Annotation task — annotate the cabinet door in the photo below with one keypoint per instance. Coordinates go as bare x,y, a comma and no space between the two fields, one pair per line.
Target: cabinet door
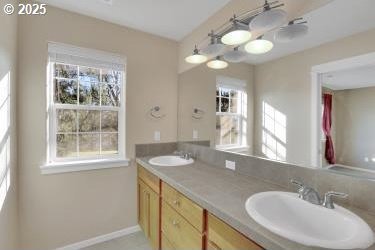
153,199
143,207
222,236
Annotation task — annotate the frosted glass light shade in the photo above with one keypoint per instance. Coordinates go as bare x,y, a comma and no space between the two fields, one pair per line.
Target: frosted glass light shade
196,58
235,56
213,49
268,20
258,46
291,32
236,37
217,63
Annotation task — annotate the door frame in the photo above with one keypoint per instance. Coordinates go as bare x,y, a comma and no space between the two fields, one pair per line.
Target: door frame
316,93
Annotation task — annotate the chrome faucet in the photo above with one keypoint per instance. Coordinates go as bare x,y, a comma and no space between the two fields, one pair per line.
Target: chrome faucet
328,202
183,155
311,195
307,193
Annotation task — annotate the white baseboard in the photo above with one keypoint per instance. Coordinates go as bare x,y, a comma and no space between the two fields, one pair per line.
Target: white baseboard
101,238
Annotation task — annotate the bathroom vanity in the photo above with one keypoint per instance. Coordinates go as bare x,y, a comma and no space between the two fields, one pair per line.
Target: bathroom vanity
171,220
202,206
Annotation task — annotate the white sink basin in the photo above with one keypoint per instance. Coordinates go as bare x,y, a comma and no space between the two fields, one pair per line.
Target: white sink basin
170,160
295,219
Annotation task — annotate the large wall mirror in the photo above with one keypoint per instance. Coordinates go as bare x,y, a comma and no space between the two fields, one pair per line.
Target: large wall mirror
294,103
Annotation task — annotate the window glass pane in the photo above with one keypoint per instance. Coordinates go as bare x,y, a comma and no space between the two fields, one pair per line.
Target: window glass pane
224,125
109,121
217,92
89,93
224,92
111,76
88,120
110,95
217,104
66,145
89,74
66,120
235,130
224,104
89,144
110,143
234,106
66,91
66,71
234,94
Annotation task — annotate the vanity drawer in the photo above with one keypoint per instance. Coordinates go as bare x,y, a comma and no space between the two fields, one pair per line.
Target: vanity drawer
187,208
165,243
180,233
223,236
150,179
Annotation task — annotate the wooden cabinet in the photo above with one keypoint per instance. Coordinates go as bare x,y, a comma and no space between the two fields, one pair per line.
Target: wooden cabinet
171,221
149,211
222,236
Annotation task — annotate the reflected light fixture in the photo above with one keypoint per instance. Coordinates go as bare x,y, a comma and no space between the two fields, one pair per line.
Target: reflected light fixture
217,63
215,47
196,57
238,34
291,31
235,55
259,46
269,19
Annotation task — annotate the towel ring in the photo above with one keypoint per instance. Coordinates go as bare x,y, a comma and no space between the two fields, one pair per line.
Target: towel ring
197,113
155,112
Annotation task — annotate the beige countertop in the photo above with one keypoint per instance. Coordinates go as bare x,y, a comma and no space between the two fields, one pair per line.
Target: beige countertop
224,192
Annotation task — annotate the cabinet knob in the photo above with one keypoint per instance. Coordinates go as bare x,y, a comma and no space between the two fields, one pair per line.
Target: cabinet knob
175,223
176,202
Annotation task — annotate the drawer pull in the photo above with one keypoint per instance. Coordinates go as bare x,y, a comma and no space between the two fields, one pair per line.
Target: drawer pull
176,202
175,223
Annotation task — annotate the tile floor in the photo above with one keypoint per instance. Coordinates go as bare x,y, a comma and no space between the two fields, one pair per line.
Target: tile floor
135,241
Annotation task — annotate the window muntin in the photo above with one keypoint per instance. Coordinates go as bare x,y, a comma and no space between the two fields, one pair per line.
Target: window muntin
86,108
229,117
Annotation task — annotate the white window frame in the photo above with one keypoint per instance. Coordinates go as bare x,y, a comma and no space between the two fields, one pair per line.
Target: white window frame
69,164
240,86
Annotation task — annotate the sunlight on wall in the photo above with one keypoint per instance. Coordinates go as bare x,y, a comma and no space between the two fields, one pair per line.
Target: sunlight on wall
273,133
4,137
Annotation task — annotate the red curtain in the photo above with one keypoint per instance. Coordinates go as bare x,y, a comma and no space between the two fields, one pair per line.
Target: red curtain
327,124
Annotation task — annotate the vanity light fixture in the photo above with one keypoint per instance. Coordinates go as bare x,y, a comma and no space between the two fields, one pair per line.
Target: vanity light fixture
259,46
238,34
235,55
292,31
269,19
217,63
196,57
215,47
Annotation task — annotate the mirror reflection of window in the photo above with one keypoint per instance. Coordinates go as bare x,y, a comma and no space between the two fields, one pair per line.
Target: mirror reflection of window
231,110
273,133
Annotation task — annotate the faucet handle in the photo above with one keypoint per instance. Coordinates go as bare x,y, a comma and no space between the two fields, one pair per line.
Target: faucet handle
328,202
300,185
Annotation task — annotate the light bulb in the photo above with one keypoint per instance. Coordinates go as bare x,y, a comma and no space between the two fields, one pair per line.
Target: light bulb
258,46
196,58
217,63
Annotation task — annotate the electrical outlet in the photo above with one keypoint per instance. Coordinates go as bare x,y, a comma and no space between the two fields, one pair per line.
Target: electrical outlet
157,136
230,165
195,134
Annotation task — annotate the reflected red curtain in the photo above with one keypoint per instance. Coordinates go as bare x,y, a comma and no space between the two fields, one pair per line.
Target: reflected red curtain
327,124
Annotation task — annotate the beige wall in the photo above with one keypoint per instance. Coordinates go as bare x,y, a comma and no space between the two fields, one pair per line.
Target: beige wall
355,122
197,89
56,210
286,84
8,159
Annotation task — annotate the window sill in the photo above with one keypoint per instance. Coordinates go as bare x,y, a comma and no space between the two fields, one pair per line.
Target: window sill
65,167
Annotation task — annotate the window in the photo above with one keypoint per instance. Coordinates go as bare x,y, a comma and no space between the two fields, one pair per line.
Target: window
231,109
86,105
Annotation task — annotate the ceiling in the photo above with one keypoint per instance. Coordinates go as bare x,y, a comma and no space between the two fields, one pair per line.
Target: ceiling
350,79
337,19
173,19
